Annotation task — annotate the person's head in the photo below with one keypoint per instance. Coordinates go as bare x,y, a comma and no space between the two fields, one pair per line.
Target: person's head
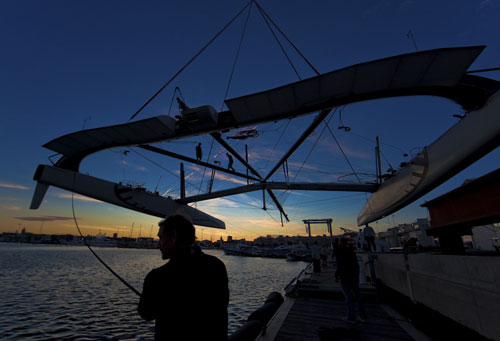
199,143
343,242
176,233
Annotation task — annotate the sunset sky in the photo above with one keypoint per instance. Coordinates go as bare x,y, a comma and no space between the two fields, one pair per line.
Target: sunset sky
68,65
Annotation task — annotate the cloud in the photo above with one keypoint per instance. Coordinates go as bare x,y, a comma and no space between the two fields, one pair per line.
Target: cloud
215,203
76,197
360,154
14,186
102,228
44,218
11,207
304,166
139,168
293,192
220,176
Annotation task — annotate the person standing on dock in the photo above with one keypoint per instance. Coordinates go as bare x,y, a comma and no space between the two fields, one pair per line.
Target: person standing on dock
348,274
316,257
360,240
199,152
188,296
369,234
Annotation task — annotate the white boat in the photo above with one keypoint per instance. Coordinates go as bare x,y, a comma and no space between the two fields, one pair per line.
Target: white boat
439,72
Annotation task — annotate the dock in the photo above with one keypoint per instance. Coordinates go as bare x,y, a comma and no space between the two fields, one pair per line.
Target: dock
314,309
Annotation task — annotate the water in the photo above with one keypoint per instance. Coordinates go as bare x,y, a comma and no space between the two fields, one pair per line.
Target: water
62,292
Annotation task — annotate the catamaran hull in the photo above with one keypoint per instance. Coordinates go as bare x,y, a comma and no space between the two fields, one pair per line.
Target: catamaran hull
131,198
474,136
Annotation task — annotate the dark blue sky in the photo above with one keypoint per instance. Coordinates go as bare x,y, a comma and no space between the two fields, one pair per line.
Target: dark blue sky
68,64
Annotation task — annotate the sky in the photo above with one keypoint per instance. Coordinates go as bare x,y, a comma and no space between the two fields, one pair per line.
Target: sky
69,65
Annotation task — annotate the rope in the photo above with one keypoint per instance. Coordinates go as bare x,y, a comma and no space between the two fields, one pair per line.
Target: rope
177,89
310,152
160,166
342,150
190,61
307,158
279,43
205,168
95,254
276,144
284,35
237,55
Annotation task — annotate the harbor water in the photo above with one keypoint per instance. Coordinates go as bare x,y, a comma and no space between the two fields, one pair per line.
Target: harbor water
63,292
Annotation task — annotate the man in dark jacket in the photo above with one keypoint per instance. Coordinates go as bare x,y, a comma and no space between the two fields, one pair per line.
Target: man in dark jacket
348,273
188,296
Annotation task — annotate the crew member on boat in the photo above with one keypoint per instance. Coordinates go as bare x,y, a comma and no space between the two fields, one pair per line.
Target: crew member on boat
188,296
199,152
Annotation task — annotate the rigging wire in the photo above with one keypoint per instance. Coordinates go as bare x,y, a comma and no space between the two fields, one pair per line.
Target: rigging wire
190,183
160,166
205,168
330,199
342,150
314,146
237,55
191,60
347,159
177,89
307,157
269,214
382,143
289,41
279,43
277,142
93,252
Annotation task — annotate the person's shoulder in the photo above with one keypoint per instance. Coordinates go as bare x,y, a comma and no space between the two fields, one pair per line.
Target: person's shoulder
158,271
210,259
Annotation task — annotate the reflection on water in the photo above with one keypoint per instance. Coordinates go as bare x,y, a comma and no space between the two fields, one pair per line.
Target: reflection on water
55,292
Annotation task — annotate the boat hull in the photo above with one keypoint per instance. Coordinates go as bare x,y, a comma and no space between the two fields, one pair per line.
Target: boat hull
477,134
134,199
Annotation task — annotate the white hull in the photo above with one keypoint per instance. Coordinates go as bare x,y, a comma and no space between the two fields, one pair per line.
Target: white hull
116,194
474,136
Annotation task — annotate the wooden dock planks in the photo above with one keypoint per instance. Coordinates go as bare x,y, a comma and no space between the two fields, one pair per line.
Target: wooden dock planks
317,314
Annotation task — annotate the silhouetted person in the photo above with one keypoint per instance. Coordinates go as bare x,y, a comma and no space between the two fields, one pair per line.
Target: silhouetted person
230,162
316,257
199,152
360,240
369,238
188,296
348,273
324,255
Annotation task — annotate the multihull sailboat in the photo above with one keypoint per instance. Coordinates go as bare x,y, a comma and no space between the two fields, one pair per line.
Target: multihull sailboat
439,72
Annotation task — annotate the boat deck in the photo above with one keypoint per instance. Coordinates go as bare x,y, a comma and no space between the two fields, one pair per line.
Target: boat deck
316,309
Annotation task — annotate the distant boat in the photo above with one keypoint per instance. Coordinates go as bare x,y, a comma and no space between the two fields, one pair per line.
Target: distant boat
102,241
